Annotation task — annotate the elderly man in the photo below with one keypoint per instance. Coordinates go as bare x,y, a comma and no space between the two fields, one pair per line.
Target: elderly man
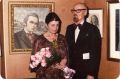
84,42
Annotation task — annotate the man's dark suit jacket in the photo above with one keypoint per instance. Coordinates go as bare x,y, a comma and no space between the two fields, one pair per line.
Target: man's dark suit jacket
21,41
88,41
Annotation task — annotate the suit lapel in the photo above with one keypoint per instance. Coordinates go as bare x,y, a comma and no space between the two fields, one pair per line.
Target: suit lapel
25,39
82,33
73,33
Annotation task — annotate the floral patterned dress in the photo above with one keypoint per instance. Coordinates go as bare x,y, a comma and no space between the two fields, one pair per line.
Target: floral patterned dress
58,46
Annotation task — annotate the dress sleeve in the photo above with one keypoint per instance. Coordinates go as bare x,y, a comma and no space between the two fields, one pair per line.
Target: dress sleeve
37,45
35,48
64,48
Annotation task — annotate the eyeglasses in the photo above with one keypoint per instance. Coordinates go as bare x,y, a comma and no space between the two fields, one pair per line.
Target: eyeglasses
77,10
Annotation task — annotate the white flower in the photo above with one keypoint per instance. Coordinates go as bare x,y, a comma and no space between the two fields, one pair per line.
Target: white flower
37,55
43,63
42,53
68,73
42,50
33,58
48,53
31,66
37,62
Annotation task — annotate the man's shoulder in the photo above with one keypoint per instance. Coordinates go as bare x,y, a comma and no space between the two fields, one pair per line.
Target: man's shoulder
70,26
19,33
87,24
91,26
40,37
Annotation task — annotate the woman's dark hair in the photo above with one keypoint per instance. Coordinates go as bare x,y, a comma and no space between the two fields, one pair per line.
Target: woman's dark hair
52,16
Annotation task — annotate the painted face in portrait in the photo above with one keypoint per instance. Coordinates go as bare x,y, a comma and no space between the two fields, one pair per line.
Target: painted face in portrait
94,20
53,27
79,12
32,23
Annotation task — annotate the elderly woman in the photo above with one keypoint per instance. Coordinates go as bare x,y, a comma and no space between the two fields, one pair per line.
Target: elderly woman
57,44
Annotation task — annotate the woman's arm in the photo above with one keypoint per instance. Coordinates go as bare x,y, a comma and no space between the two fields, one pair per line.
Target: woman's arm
62,64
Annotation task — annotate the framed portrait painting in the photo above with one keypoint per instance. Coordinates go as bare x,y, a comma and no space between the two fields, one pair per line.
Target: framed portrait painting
19,14
96,18
114,30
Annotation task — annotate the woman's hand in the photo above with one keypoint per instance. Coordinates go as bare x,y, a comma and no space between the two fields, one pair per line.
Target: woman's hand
62,64
58,66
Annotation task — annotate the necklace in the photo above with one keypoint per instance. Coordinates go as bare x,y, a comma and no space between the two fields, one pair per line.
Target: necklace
55,44
52,38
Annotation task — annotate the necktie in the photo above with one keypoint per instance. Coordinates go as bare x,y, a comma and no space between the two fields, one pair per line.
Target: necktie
30,36
77,30
77,25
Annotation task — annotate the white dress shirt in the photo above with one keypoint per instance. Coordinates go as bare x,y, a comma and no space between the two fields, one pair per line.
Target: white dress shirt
77,31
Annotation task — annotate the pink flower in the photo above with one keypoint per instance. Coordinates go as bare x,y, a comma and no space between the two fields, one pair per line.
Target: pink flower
37,62
38,57
33,65
33,58
42,50
43,63
68,73
42,53
48,53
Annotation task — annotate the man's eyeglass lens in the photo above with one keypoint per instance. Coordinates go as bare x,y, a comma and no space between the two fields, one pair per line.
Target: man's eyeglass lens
78,10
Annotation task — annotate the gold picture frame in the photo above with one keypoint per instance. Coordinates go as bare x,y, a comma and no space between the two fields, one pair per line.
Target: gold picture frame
17,10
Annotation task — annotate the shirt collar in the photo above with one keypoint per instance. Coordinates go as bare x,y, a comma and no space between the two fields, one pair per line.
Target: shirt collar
26,31
81,22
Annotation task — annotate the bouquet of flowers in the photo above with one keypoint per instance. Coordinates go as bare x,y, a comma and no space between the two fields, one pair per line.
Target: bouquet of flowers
46,58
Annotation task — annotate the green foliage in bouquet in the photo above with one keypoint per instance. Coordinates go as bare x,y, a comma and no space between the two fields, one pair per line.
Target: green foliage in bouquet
55,58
